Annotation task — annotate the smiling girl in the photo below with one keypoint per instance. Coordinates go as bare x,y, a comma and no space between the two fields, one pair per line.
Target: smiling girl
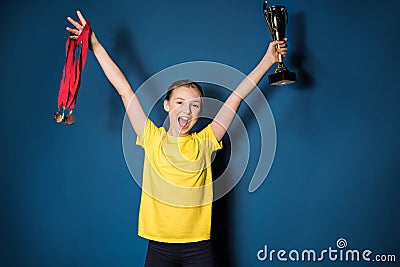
175,207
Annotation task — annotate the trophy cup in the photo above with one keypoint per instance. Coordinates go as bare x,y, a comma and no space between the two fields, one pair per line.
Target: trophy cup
277,18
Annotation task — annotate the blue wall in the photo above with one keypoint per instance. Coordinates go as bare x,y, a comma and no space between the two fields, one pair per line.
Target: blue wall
67,197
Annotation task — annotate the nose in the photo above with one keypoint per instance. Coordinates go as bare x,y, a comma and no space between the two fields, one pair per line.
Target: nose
187,108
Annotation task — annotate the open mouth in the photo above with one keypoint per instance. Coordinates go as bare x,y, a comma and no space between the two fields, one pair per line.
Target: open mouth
184,122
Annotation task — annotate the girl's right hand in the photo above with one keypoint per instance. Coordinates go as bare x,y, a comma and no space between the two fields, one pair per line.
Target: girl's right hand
78,27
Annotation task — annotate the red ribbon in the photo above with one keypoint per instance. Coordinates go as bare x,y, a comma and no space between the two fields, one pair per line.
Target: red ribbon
76,50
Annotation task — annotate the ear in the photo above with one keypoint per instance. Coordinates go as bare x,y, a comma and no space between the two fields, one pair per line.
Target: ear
166,105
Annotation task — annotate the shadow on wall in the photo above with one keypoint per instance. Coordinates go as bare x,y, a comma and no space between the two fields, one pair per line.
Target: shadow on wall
300,55
127,58
222,212
299,58
300,61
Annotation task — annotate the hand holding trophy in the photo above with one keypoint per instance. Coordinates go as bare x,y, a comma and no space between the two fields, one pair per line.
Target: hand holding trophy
277,19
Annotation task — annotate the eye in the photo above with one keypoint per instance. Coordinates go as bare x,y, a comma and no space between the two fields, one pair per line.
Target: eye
179,102
196,106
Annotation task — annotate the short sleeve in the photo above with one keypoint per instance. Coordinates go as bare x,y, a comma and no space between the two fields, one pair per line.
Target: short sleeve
207,135
150,130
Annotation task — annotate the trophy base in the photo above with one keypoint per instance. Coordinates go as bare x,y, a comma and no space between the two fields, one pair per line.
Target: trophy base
282,78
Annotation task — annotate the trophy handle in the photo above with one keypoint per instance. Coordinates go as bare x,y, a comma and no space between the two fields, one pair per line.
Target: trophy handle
287,16
265,9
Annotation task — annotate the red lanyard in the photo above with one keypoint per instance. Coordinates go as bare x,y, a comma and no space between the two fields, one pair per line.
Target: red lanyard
76,52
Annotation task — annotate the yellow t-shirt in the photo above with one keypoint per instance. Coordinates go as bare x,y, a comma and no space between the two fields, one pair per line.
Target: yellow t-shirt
177,191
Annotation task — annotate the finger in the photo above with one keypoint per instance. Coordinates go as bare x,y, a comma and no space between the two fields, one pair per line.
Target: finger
283,45
81,18
73,31
76,24
276,42
274,45
282,52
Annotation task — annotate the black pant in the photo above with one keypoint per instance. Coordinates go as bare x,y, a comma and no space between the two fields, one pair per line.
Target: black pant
193,254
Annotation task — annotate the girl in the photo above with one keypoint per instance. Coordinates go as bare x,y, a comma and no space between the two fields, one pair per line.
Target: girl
175,207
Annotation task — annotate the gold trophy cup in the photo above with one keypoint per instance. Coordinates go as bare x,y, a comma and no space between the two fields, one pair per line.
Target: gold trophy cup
277,19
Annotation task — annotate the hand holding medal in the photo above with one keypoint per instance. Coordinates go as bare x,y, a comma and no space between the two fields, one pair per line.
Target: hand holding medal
76,52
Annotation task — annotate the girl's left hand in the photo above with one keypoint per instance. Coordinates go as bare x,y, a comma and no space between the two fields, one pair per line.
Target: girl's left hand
276,48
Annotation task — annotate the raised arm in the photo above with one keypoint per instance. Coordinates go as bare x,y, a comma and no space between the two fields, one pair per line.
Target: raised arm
132,105
226,114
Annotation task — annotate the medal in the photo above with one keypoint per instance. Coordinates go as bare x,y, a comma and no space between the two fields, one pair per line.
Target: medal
76,52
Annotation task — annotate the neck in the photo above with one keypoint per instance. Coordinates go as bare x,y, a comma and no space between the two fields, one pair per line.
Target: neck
173,132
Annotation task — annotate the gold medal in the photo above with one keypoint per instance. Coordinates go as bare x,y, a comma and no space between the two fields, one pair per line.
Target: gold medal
58,116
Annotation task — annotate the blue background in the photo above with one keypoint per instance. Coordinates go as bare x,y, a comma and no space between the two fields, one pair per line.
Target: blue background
67,197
